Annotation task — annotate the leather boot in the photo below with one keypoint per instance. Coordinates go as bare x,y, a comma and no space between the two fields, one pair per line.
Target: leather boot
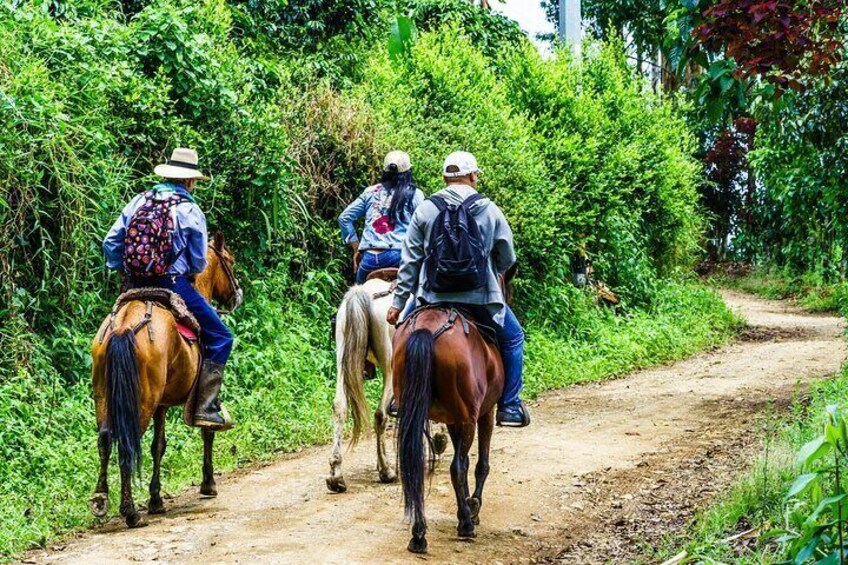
209,413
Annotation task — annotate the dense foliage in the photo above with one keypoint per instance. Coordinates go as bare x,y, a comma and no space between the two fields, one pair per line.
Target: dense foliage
291,111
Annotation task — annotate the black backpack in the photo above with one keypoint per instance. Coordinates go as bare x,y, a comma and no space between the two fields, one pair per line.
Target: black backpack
456,260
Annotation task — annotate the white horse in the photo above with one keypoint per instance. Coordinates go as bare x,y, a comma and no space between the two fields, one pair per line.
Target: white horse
363,333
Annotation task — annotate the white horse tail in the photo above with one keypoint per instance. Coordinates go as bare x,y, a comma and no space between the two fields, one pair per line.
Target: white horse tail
353,330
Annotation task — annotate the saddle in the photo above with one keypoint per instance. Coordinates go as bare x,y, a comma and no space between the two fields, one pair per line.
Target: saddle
186,323
456,312
389,275
187,326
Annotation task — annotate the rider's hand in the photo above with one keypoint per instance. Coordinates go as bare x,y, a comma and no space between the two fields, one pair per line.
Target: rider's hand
393,315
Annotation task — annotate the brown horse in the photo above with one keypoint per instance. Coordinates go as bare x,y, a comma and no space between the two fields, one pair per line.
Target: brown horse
141,367
446,372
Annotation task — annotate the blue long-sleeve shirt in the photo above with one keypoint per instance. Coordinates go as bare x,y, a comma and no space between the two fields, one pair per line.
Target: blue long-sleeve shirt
379,233
189,238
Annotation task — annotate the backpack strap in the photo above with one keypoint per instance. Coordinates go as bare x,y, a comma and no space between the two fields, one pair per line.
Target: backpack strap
468,202
439,202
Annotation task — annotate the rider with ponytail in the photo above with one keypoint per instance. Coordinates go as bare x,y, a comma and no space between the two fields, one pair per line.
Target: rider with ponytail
387,208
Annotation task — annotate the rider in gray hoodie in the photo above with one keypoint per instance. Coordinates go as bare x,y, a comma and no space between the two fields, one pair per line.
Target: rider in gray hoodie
487,303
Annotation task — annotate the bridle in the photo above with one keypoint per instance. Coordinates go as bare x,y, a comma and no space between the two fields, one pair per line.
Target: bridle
238,295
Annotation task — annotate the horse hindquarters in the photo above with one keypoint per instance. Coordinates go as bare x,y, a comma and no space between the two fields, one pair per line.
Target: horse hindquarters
413,427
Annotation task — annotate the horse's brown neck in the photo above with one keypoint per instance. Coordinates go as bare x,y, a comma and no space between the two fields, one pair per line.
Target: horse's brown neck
203,281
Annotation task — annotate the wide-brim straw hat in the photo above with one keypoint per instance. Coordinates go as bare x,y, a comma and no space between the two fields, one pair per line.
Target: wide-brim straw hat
182,165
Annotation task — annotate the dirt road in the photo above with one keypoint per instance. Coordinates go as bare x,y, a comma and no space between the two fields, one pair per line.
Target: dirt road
603,468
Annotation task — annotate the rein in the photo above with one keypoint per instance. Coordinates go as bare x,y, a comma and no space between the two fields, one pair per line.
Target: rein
238,295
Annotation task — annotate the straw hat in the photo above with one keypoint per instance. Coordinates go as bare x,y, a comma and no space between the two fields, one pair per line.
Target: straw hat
182,165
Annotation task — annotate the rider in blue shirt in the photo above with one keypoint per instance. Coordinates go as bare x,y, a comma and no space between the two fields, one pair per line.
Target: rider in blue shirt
190,243
387,208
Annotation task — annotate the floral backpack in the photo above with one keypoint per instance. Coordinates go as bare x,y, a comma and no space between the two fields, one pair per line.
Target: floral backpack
149,242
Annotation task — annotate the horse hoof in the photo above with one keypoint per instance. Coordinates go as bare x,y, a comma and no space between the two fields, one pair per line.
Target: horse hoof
155,507
336,484
135,520
99,504
474,506
440,443
466,531
388,477
208,491
417,545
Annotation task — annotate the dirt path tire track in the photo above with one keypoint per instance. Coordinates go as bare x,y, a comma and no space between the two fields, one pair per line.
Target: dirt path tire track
567,489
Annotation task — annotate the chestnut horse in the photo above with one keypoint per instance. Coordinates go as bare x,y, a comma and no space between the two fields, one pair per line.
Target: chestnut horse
141,367
446,372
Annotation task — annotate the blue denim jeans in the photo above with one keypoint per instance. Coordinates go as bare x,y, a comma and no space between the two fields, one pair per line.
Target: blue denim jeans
216,338
390,258
511,343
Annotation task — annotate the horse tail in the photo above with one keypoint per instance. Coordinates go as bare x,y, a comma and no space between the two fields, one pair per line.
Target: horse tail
414,421
355,332
122,391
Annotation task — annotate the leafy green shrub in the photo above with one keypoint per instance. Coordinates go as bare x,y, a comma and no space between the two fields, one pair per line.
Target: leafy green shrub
494,34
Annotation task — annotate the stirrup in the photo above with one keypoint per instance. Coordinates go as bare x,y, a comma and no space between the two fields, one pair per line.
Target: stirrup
225,424
525,417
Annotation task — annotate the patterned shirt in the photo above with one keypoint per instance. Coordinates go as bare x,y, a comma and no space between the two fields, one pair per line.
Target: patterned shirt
189,238
379,233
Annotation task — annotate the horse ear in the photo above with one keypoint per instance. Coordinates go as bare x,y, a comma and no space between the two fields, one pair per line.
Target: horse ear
219,240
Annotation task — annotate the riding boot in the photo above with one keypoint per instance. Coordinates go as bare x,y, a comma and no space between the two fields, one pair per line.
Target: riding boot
209,413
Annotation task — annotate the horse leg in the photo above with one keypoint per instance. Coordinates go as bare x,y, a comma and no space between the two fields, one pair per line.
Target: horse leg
462,436
128,510
386,470
207,487
440,441
485,428
99,502
157,449
336,482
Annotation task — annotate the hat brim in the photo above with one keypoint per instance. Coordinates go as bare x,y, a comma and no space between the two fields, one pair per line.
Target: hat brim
388,169
175,172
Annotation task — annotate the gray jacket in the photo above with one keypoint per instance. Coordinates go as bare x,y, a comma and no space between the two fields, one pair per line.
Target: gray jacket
497,240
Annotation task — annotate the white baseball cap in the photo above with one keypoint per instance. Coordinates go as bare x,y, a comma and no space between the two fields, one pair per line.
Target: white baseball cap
397,161
460,164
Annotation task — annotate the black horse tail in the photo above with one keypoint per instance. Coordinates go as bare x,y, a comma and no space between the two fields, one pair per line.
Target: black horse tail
122,399
414,422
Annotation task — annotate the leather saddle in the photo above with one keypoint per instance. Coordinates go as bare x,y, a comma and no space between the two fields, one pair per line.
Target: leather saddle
187,325
456,312
388,275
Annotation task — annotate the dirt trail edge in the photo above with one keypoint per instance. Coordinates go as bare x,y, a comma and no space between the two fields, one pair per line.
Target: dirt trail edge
603,468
